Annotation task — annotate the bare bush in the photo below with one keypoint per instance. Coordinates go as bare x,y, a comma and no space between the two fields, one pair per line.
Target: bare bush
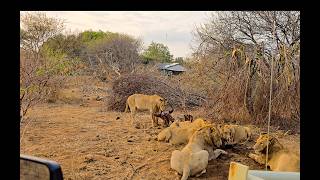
241,46
36,76
35,29
129,84
114,55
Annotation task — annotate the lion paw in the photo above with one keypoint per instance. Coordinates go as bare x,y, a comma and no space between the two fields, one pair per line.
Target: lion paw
202,172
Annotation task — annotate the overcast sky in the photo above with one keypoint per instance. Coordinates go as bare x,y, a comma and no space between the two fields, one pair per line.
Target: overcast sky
172,28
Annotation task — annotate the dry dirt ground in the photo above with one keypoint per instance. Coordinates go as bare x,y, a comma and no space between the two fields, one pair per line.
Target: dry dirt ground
91,143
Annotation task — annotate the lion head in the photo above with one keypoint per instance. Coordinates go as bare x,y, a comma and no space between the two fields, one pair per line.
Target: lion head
210,135
161,103
261,143
228,133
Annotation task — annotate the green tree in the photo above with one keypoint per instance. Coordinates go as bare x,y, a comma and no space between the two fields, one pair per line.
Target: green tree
68,44
90,35
179,60
157,52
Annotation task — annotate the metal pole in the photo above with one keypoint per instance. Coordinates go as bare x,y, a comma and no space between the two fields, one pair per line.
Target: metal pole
270,98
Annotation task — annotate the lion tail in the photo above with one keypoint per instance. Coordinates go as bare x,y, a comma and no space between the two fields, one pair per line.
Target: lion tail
249,133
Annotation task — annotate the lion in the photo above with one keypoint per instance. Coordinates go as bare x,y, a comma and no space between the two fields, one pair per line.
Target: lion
235,134
279,157
152,103
180,132
193,159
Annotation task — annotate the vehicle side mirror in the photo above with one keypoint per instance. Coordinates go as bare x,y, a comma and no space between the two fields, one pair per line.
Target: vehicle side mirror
33,168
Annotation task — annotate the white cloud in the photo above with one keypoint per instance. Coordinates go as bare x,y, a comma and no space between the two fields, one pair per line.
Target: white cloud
149,25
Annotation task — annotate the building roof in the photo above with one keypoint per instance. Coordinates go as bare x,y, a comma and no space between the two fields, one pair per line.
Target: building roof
171,67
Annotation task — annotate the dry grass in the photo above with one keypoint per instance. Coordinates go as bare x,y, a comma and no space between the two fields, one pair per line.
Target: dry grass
91,143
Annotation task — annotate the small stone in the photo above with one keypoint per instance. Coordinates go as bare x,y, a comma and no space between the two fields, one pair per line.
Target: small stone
89,158
137,126
98,98
109,150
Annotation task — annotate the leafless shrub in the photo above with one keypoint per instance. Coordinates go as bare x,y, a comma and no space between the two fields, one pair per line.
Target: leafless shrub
36,78
35,29
241,47
129,84
113,56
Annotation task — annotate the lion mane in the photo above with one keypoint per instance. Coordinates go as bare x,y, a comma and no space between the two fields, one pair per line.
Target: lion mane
279,157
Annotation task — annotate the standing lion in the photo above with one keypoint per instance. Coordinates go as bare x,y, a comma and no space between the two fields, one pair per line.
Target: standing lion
152,103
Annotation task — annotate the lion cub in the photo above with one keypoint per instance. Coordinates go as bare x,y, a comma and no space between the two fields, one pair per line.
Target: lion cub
235,134
279,158
180,132
193,158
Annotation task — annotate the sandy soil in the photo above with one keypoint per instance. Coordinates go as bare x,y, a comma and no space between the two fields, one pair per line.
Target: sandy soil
91,143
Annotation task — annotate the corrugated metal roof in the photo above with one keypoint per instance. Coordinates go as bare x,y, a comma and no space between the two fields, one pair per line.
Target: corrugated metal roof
176,68
162,65
171,67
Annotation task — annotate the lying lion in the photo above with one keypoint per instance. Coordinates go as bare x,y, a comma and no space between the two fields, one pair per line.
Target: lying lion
152,103
235,134
193,158
279,158
180,132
